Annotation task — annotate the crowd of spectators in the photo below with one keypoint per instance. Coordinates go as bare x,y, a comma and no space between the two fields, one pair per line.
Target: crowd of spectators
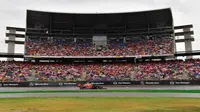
65,47
173,70
158,70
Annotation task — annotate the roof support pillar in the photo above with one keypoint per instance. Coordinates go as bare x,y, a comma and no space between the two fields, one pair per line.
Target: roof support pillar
188,43
124,39
11,45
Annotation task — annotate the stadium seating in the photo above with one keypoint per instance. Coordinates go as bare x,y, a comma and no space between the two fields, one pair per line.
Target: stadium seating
63,47
158,70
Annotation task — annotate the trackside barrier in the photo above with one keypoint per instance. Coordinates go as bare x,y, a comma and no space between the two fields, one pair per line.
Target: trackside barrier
66,84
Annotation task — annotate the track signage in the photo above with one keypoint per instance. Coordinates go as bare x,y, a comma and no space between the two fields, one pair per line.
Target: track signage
65,84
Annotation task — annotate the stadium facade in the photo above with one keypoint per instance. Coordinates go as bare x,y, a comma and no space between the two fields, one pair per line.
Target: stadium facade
101,39
74,26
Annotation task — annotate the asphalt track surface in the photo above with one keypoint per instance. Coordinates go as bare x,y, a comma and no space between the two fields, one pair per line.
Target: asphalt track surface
123,94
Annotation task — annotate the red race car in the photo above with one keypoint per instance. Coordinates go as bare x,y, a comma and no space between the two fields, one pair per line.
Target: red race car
90,86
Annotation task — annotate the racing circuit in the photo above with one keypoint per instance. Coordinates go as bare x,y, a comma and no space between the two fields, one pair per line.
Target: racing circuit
73,62
100,94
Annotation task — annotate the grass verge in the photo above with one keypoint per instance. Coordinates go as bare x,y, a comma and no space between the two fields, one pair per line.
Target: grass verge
81,104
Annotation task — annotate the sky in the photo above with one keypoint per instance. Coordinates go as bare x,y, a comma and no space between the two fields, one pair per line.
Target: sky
13,12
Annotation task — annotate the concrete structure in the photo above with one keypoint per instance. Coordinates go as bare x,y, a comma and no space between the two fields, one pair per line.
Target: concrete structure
11,40
188,43
11,45
186,32
188,39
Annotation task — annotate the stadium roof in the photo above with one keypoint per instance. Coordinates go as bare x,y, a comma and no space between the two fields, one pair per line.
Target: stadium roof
125,22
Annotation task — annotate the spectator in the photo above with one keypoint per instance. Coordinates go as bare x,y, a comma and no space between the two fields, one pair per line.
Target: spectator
134,47
158,70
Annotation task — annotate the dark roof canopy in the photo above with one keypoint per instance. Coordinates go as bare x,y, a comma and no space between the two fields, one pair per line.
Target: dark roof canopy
101,21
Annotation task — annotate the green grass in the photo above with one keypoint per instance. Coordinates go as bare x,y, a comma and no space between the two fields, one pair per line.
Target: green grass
81,104
80,91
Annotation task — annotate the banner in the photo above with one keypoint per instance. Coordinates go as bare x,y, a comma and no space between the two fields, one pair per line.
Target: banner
15,84
66,84
51,84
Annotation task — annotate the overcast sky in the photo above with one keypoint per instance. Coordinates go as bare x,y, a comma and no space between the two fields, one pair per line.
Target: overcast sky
13,12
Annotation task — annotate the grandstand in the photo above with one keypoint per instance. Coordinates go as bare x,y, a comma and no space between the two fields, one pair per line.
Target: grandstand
105,48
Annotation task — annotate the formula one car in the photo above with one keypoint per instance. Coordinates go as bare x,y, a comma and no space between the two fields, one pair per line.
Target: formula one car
90,86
